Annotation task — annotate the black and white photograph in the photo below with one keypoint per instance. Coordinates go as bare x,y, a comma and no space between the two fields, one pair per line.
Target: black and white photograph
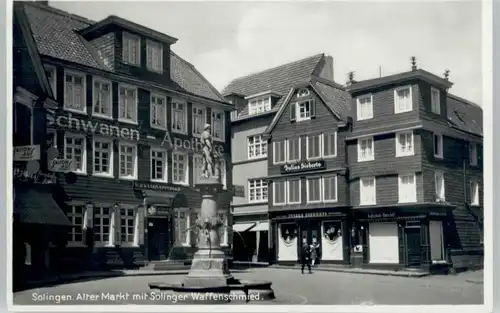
233,154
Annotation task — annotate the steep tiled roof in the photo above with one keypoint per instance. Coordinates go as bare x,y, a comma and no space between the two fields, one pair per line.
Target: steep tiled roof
465,115
277,79
335,96
55,33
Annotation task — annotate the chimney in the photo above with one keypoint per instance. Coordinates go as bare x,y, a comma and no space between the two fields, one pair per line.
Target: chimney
446,74
327,70
350,79
413,63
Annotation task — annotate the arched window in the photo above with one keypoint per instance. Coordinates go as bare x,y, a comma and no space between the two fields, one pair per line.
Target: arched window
303,92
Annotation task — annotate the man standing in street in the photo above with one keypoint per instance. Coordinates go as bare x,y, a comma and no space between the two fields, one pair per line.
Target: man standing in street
305,256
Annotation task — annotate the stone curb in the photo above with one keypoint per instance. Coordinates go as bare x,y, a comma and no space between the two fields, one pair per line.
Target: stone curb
398,274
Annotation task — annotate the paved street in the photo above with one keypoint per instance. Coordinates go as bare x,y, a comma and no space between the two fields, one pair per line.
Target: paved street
290,287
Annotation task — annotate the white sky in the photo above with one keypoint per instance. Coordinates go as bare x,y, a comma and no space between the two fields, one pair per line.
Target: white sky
225,40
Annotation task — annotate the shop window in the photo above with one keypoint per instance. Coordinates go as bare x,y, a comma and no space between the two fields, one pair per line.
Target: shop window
102,223
75,215
127,226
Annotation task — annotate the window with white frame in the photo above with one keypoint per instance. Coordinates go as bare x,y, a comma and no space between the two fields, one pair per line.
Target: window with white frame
404,143
74,91
257,190
154,60
103,157
75,215
365,107
101,105
259,105
279,192
366,151
158,165
437,145
293,191
313,189
179,116
367,191
313,147
75,148
402,100
439,184
435,101
127,98
407,188
180,168
131,49
304,110
303,92
474,192
198,167
330,188
158,111
279,152
199,120
293,147
51,73
257,147
218,125
127,225
128,160
102,225
472,154
330,144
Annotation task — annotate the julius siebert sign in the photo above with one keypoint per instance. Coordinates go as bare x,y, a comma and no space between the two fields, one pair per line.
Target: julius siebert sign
303,167
99,127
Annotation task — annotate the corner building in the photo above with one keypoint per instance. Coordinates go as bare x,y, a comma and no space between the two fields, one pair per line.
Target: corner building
415,174
129,116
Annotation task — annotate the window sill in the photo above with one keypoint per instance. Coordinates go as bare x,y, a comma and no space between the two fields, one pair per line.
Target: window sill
155,71
319,201
105,117
129,245
103,175
475,204
158,181
331,201
225,245
364,118
157,127
218,139
330,156
367,204
127,178
366,160
438,156
81,173
303,119
403,111
279,163
279,204
131,122
294,203
186,245
130,63
401,155
84,112
75,245
258,202
181,183
407,201
259,158
313,158
179,132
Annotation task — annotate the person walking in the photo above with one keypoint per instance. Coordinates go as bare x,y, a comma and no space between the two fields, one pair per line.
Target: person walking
314,251
305,256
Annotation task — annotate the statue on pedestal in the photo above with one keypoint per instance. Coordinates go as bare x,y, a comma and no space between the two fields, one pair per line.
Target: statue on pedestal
210,169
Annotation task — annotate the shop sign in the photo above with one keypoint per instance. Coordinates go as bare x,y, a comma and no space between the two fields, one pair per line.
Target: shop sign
437,214
94,127
303,167
382,215
193,144
61,165
141,185
306,215
27,153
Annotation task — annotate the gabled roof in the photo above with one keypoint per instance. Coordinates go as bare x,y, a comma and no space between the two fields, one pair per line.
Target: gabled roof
465,115
333,95
400,77
56,34
277,79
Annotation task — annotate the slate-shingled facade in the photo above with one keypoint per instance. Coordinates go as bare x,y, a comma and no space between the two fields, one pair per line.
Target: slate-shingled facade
130,114
397,182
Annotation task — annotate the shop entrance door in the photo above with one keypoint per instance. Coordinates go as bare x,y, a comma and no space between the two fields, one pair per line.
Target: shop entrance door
159,238
413,246
308,231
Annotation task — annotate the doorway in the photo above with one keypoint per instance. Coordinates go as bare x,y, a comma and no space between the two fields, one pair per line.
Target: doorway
159,238
413,246
309,230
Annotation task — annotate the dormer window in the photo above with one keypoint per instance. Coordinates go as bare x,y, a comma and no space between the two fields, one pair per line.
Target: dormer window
435,101
304,92
259,105
302,110
402,100
154,53
131,49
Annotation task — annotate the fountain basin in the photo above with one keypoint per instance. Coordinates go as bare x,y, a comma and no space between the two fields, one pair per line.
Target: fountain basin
236,292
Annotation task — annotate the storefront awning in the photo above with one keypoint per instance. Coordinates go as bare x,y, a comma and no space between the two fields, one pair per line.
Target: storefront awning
261,226
242,227
32,206
160,198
